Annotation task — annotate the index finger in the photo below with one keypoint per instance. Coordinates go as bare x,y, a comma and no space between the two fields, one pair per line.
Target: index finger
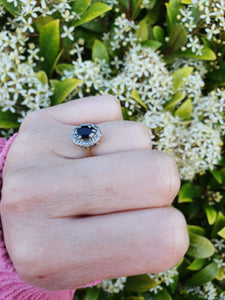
95,109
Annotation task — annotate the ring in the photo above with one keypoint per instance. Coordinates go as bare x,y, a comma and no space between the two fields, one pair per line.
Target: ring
86,136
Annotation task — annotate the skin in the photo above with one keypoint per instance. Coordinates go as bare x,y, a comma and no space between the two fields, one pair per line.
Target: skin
69,219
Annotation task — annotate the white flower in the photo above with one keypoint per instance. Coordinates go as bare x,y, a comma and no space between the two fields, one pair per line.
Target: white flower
113,285
194,43
212,31
26,24
207,15
68,32
187,15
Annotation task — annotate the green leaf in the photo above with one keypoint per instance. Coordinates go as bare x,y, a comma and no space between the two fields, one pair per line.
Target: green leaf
57,59
173,9
140,283
158,33
80,6
162,295
63,89
15,11
185,110
95,26
42,21
94,11
152,16
207,54
92,293
200,247
60,68
99,51
124,3
211,214
178,97
221,161
196,230
173,285
219,175
217,76
136,97
42,77
218,225
136,8
205,275
177,38
220,275
49,45
186,2
197,264
155,45
143,31
188,191
54,83
127,116
8,120
179,75
222,233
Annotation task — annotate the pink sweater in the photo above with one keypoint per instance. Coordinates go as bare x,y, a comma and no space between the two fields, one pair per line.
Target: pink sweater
11,286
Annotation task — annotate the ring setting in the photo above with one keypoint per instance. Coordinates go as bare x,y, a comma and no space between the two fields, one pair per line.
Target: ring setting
86,135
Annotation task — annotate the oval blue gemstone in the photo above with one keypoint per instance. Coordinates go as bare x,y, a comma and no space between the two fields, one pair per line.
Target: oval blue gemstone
84,132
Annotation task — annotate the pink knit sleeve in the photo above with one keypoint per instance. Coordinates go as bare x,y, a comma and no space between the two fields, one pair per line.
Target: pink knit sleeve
11,286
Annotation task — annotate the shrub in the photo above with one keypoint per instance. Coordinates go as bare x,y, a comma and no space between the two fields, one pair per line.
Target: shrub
164,60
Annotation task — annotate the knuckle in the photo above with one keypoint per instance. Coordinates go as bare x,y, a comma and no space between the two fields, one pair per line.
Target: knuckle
115,105
174,179
179,241
168,176
172,247
143,133
16,193
29,118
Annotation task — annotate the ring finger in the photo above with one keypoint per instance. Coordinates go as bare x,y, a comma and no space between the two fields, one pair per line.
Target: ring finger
117,136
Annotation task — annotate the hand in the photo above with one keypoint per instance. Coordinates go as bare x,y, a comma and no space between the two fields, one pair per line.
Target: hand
69,219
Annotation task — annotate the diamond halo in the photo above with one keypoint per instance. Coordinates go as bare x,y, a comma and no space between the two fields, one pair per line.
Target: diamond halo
86,135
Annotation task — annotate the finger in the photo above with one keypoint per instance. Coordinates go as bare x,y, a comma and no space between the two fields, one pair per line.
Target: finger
105,184
111,246
87,110
116,136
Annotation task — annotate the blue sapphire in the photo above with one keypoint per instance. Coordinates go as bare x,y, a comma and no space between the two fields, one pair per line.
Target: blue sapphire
85,131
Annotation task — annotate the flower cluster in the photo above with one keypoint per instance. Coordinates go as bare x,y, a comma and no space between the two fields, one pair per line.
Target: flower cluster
195,147
173,85
210,109
113,285
207,291
142,70
214,197
123,35
206,18
163,278
19,83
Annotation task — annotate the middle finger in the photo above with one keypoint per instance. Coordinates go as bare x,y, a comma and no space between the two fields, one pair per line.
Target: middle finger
105,184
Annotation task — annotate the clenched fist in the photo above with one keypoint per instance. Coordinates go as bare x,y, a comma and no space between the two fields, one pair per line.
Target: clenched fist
69,219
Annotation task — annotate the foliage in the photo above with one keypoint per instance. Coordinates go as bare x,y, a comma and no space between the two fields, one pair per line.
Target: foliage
164,60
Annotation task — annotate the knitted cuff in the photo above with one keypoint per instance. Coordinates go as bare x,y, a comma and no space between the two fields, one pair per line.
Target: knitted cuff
11,286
